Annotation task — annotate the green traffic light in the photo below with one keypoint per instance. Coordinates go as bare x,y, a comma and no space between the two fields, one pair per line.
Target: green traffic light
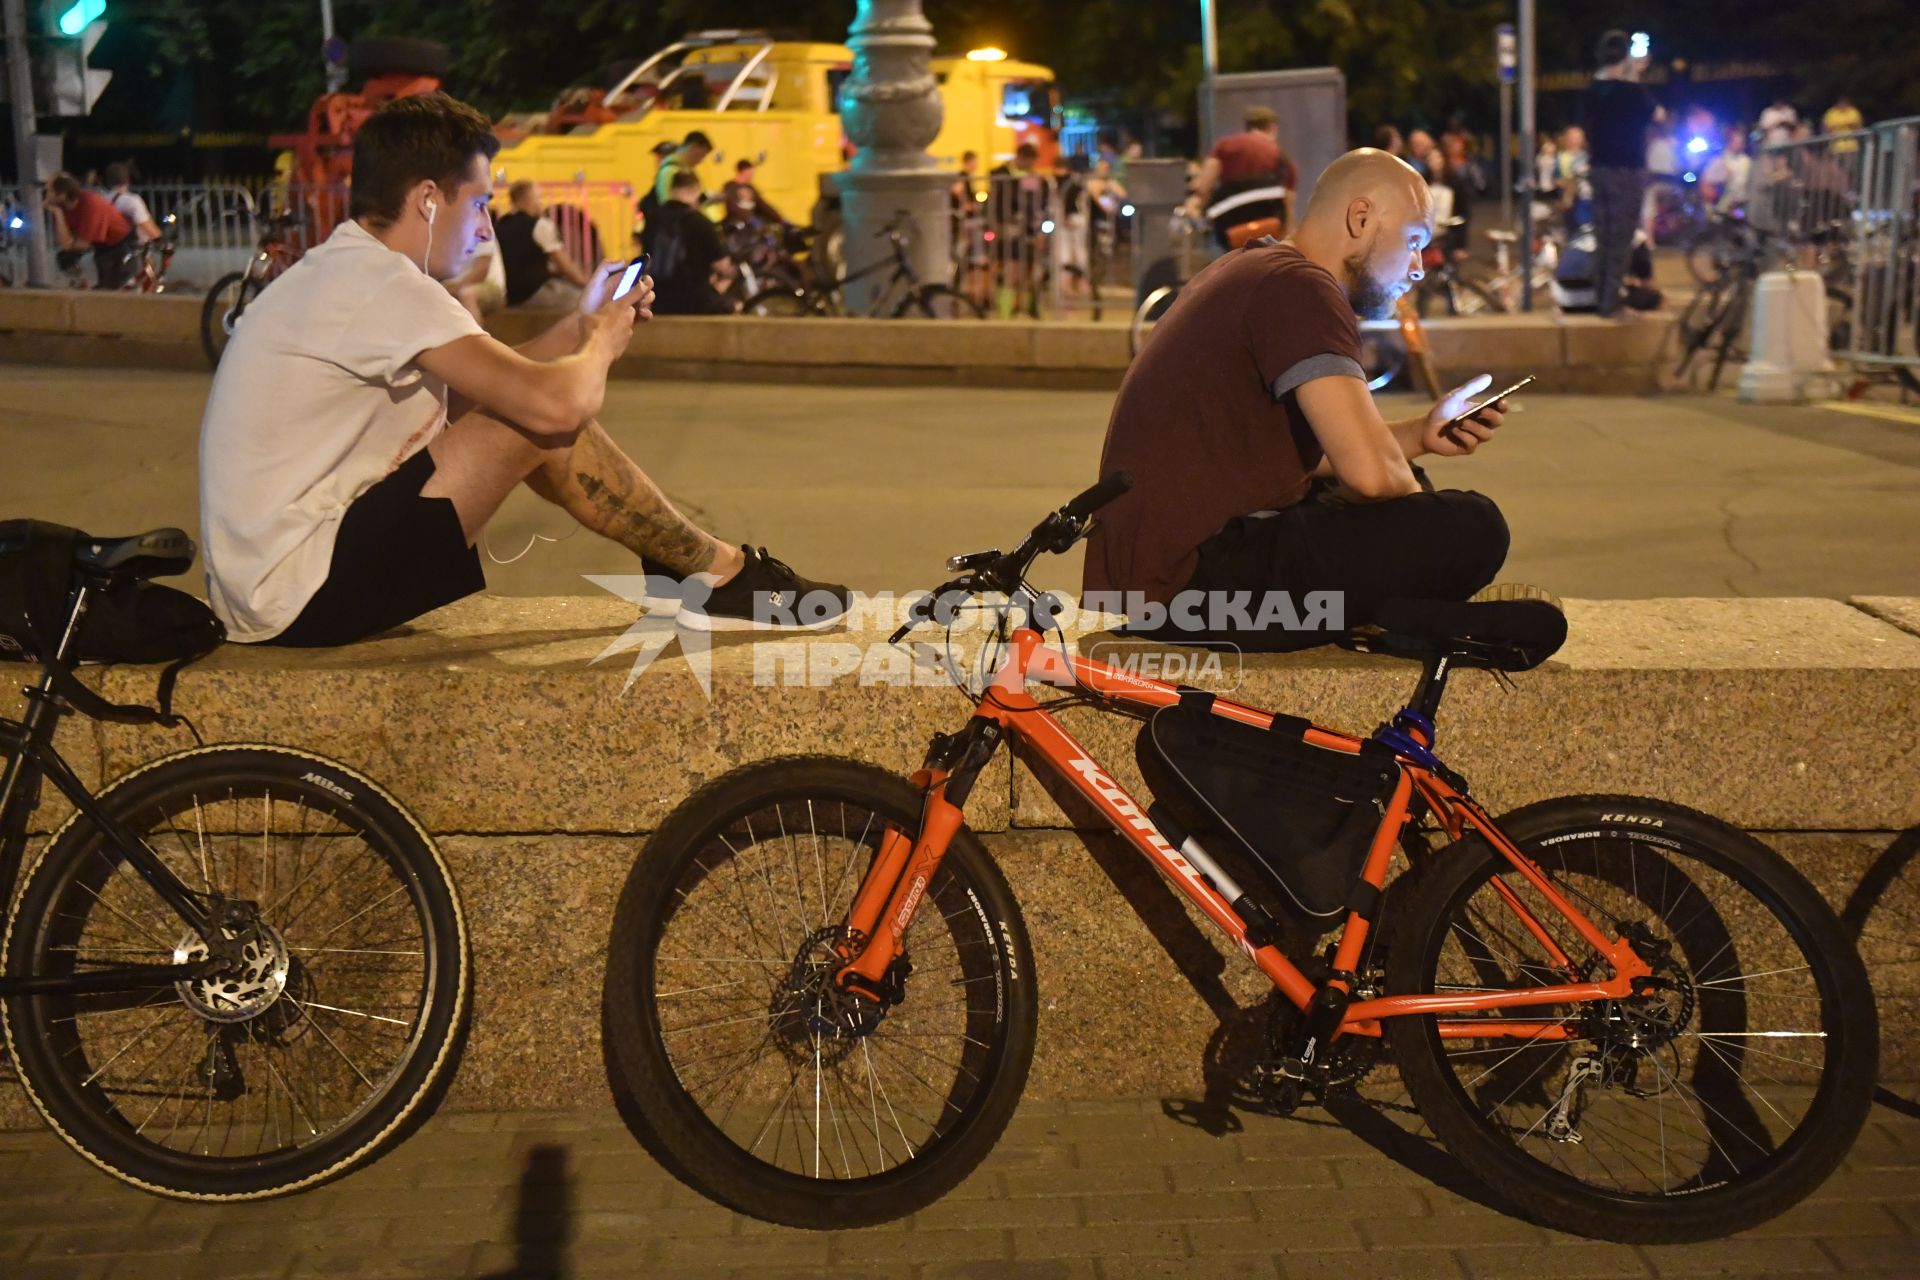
81,16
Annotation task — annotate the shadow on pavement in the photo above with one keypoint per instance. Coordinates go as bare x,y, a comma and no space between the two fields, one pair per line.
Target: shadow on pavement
542,1219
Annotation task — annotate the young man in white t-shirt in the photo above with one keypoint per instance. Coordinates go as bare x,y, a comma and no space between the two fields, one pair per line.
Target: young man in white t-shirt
363,427
132,207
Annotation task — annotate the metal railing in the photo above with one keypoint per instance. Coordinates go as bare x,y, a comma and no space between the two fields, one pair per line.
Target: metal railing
1037,245
1851,203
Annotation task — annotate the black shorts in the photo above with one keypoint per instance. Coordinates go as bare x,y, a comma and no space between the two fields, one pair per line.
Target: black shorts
397,556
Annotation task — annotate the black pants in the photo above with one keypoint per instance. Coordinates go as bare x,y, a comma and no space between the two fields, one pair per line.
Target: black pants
113,263
1617,196
1427,546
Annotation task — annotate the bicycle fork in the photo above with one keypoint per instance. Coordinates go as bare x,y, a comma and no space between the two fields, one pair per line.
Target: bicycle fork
895,883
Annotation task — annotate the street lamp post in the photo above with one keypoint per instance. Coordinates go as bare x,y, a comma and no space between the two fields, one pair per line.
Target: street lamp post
1529,33
26,148
891,110
1209,68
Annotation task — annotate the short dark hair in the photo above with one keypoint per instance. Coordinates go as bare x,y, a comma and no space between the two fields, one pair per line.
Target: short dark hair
428,137
743,166
697,139
1261,118
682,179
118,175
1612,49
1386,137
1027,151
64,185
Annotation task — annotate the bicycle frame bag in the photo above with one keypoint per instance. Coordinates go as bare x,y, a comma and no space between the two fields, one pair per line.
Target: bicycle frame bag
1304,815
127,620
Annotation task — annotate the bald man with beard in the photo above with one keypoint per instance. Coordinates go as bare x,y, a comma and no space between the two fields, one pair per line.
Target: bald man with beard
1252,389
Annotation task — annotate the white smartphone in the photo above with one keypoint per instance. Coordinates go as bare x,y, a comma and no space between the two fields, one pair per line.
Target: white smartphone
635,269
1493,399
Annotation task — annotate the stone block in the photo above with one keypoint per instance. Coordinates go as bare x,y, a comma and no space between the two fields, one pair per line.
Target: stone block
163,317
1615,343
37,310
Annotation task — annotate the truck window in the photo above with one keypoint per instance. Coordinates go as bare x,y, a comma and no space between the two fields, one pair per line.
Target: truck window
1025,101
836,77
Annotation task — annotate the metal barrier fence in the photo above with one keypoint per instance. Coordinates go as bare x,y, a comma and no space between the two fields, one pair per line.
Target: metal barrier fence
1037,245
1853,201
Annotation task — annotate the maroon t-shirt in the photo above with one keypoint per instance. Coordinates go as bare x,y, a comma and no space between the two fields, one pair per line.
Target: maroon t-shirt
1208,418
1249,155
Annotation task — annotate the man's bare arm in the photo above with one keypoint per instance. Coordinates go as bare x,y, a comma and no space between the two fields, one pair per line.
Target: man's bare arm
1362,451
544,398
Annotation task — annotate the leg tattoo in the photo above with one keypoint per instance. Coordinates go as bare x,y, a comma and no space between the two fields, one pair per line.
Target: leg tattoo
604,490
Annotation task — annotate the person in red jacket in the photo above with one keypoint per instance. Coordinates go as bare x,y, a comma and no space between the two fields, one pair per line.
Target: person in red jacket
88,220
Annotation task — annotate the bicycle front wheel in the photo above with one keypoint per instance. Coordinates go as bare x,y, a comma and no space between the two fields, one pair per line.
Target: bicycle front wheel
221,311
938,302
333,1034
1152,309
750,1074
1721,1094
780,300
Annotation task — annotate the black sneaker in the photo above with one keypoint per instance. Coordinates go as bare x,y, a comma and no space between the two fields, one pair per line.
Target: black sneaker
766,595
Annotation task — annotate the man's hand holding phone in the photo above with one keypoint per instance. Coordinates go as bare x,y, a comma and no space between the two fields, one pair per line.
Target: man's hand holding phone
1457,426
623,284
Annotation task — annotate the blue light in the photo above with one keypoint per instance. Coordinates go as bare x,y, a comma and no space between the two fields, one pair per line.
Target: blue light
81,16
18,222
1690,178
1697,145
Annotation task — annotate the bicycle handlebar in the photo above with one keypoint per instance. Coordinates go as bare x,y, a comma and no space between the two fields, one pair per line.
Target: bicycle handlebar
1057,533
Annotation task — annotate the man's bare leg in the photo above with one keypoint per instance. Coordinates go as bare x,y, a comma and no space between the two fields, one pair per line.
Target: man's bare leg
479,459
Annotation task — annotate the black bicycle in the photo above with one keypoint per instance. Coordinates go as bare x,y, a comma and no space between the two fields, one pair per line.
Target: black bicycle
903,295
237,971
1713,328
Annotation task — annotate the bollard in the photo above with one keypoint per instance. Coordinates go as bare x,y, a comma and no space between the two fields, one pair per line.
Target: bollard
1788,339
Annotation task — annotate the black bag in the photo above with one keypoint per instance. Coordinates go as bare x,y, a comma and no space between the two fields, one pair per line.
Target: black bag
127,620
1305,815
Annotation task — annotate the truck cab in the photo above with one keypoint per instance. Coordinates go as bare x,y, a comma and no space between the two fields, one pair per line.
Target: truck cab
774,102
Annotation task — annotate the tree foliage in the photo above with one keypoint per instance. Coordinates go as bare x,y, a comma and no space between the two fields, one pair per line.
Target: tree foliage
255,64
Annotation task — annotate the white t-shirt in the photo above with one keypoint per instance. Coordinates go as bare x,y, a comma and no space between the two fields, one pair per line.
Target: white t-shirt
317,399
132,208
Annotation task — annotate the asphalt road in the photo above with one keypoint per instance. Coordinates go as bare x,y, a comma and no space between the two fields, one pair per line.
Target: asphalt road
1607,497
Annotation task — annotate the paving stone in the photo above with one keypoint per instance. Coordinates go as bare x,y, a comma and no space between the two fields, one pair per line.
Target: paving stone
1218,1238
1740,1256
381,1262
1016,1269
1095,1242
1240,1267
1105,1179
861,1247
743,1251
1449,1232
92,1241
1581,1260
973,1215
1296,1171
1867,1253
1396,1264
58,1269
1205,1207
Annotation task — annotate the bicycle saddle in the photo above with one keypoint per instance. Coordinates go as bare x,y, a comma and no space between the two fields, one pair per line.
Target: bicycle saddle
1507,627
158,553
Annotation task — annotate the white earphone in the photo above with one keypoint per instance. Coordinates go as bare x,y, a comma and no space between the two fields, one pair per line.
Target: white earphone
431,206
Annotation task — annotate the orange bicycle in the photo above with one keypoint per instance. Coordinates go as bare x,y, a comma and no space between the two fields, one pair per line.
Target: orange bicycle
1630,1019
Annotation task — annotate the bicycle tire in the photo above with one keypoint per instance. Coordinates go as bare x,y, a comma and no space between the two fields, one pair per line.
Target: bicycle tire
219,313
938,302
344,976
1148,314
968,924
1719,900
780,300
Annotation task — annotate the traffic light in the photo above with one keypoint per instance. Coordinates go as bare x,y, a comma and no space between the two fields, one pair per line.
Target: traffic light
72,87
81,16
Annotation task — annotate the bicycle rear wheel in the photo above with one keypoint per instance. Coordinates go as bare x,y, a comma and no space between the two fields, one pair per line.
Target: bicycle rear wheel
750,1075
938,302
334,1036
1714,1100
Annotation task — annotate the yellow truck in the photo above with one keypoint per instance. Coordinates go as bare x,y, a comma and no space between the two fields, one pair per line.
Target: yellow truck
774,102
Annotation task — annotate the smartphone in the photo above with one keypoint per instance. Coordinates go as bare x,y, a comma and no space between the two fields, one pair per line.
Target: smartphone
1493,399
635,269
